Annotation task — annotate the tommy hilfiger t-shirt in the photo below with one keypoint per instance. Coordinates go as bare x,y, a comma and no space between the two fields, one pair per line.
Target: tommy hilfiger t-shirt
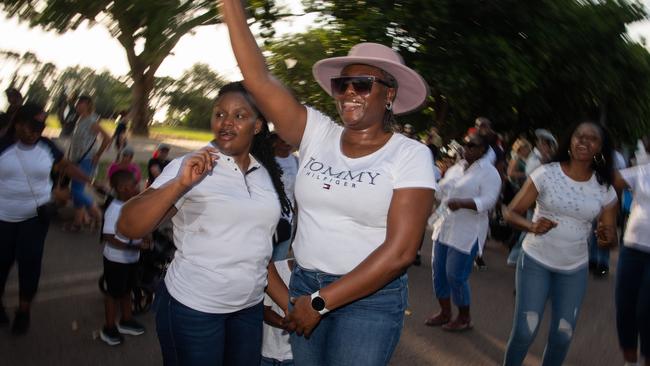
343,202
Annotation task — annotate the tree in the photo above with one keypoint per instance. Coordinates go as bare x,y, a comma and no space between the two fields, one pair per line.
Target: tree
524,64
190,102
147,30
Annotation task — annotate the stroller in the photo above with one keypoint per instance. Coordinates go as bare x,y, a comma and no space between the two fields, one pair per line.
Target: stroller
151,268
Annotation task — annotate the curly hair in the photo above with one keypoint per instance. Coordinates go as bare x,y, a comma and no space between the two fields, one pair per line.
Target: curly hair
262,148
604,169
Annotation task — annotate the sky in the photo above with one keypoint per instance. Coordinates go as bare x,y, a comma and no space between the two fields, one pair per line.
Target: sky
95,48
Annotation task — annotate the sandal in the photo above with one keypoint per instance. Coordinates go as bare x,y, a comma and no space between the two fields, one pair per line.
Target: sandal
458,326
438,320
71,228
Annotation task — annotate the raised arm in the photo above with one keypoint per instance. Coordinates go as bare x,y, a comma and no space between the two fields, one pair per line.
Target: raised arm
407,216
274,100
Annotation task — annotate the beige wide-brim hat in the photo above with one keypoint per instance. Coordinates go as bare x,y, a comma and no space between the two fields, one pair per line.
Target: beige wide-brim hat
412,90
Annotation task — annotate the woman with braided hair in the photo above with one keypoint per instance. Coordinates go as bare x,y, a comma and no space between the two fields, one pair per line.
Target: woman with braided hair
225,201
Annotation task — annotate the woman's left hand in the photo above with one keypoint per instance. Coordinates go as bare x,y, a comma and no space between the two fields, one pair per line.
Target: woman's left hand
606,235
303,316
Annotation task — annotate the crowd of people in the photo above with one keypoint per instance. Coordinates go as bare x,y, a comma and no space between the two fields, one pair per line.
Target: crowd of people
292,244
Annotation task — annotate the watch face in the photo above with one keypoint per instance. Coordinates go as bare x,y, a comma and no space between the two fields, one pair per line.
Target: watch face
318,303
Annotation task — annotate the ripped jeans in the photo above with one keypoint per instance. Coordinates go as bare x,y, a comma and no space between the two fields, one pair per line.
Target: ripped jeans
536,284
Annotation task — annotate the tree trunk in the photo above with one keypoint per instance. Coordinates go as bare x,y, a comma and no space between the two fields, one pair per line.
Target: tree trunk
140,115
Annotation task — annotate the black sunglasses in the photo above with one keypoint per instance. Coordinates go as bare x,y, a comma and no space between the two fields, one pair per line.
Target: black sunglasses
471,145
362,85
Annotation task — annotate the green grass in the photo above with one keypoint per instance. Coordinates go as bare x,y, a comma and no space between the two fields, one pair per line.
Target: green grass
154,131
181,133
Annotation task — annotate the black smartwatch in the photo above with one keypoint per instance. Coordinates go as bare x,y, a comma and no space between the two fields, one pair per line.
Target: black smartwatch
318,303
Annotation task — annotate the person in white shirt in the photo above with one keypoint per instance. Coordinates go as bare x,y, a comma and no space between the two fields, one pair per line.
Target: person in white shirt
468,191
26,161
224,213
288,162
276,349
568,194
363,195
633,270
120,260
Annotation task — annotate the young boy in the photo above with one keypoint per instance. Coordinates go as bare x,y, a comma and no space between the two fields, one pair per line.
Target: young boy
276,350
120,258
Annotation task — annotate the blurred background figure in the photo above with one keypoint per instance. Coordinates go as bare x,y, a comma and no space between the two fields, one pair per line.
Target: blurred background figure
119,136
157,163
125,163
15,100
85,150
67,114
289,163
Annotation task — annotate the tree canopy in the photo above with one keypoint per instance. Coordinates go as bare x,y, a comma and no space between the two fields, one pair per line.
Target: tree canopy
523,64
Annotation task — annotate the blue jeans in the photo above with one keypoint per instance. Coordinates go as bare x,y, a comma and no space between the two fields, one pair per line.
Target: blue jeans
191,337
273,362
280,251
597,255
535,285
78,188
633,299
362,333
451,270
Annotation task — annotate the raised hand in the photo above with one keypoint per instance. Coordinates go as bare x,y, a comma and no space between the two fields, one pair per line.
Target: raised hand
542,226
197,165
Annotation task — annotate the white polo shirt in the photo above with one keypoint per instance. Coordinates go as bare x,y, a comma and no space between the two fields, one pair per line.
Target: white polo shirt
343,202
637,232
480,182
222,232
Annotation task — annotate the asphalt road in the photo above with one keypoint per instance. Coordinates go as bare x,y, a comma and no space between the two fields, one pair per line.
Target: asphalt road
68,313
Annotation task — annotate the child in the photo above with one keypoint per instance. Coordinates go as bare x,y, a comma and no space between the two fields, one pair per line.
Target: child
120,258
276,350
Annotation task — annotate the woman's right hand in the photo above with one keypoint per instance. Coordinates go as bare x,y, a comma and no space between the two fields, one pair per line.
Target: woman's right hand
541,226
196,166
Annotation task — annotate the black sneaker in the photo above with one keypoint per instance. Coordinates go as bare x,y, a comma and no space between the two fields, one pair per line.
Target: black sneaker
130,327
111,336
21,323
4,319
418,260
480,264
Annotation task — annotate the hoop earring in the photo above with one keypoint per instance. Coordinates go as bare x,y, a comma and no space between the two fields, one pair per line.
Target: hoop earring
599,161
389,106
569,152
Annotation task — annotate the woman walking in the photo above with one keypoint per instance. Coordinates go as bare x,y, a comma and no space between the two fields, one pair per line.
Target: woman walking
363,194
569,193
224,214
633,271
469,190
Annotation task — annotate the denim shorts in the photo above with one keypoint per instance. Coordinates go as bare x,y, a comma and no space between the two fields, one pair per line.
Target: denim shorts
364,332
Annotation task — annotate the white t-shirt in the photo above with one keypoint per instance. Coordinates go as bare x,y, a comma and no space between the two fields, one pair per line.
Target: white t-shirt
112,253
289,167
574,206
637,232
25,181
222,232
275,341
343,202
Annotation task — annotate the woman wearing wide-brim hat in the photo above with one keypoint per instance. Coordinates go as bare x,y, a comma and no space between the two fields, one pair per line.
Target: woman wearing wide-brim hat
363,194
